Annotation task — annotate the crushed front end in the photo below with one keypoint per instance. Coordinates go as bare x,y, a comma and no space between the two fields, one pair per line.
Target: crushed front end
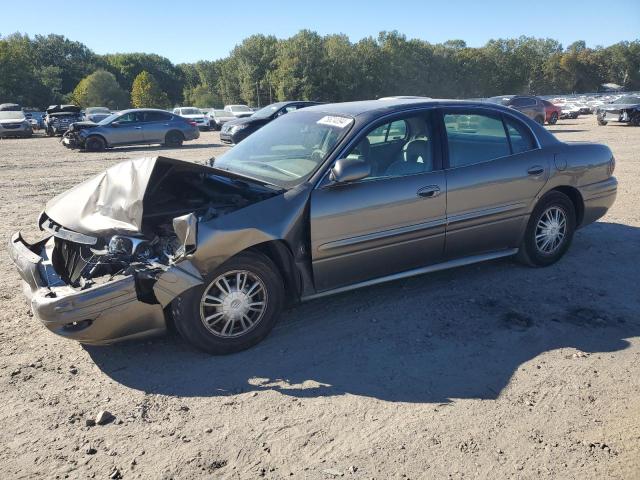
119,247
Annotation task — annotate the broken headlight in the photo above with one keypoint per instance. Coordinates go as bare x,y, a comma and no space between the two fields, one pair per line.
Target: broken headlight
130,247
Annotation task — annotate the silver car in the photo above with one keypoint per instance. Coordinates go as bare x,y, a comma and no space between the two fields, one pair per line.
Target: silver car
319,201
14,124
132,127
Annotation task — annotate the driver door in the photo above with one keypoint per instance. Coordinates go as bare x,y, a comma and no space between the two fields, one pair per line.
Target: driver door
390,222
129,129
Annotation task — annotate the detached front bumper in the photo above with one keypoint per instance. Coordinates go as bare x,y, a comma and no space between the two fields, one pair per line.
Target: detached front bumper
100,314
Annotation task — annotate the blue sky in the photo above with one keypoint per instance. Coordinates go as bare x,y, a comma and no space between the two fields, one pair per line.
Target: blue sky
190,31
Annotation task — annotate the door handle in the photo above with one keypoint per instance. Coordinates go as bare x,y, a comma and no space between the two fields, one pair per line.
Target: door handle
429,191
535,170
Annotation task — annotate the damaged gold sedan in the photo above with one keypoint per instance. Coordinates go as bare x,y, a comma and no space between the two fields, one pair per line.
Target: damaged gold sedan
322,200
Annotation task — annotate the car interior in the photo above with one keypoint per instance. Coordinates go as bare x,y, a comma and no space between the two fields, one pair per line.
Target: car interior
398,148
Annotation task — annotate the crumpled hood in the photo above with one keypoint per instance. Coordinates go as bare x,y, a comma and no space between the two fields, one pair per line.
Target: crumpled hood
111,201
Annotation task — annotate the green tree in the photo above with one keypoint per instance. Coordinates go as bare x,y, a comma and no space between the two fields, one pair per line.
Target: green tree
146,92
100,89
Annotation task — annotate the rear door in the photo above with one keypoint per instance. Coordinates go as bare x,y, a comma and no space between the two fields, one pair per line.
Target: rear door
494,171
389,222
156,125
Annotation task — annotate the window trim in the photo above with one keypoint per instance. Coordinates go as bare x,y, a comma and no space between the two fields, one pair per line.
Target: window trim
479,110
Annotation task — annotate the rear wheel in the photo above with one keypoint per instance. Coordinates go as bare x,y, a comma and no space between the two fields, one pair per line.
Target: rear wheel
94,144
540,120
601,121
235,308
173,139
553,119
549,231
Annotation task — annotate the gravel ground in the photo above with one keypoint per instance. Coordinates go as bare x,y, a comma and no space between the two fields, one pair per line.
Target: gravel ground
490,371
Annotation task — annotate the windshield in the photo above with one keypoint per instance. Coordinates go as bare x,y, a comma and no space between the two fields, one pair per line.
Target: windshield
190,111
287,151
9,115
267,111
240,108
221,113
92,110
109,119
628,100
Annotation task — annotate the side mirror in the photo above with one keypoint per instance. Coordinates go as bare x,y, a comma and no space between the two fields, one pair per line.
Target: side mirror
350,170
114,124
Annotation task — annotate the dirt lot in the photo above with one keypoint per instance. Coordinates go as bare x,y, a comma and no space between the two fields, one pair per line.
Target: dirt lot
490,371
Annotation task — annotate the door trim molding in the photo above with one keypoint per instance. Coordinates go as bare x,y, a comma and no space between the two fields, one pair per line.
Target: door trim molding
460,262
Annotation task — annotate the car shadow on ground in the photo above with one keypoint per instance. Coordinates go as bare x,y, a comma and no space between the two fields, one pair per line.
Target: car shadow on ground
143,148
560,130
460,333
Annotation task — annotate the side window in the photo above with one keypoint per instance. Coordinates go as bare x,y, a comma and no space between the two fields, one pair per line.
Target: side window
521,139
475,138
156,117
398,148
128,118
291,108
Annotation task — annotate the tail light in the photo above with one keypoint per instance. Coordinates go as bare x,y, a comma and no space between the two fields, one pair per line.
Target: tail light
612,165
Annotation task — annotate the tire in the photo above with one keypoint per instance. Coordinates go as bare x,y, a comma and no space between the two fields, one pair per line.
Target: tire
533,253
635,121
530,252
601,122
94,144
50,132
173,139
192,309
540,120
553,119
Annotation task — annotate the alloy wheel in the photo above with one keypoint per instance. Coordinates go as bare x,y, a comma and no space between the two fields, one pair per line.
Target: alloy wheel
551,230
233,304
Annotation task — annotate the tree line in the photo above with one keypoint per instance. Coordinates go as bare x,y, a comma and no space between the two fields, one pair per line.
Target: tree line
50,69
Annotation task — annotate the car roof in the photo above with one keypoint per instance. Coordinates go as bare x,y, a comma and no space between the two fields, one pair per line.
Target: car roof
143,110
390,105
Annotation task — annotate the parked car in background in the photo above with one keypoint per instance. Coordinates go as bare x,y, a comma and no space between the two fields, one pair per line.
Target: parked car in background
96,114
625,109
532,107
194,114
569,110
13,107
60,117
320,201
234,131
239,111
132,127
35,118
217,118
552,112
14,123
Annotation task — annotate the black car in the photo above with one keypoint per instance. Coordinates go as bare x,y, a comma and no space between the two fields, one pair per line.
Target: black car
237,130
624,110
60,117
532,107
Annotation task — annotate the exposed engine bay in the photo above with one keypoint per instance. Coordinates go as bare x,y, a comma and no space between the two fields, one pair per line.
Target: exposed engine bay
139,218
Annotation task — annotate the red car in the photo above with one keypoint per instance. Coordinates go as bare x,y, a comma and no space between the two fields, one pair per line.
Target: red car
552,112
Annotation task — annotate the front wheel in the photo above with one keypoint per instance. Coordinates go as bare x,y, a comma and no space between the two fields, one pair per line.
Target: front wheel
601,122
553,119
549,231
94,144
235,308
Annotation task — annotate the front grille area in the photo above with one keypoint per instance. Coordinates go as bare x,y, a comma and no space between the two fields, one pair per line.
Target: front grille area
69,260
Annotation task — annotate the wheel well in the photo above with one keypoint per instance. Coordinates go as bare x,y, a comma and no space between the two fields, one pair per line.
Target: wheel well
174,131
106,144
280,253
576,198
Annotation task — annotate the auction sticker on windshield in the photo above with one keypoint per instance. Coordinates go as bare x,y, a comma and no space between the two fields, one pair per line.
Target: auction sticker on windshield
334,121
